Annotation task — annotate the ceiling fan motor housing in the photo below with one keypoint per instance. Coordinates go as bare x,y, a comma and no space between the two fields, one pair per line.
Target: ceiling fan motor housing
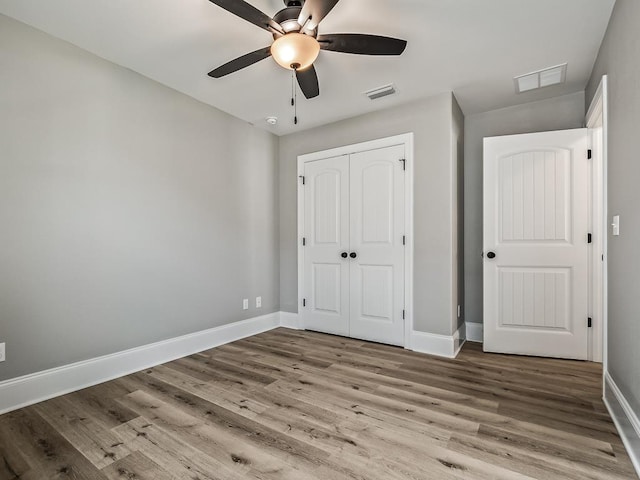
288,20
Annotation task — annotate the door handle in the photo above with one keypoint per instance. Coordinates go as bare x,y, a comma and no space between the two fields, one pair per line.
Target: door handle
344,254
353,254
491,255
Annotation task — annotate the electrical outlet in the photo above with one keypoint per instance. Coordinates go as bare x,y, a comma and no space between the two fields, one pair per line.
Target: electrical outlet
245,304
2,353
258,302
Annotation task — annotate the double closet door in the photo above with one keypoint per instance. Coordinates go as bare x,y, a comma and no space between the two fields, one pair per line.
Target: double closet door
353,267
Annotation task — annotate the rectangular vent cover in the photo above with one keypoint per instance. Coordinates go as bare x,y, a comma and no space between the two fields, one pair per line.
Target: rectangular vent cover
541,78
381,92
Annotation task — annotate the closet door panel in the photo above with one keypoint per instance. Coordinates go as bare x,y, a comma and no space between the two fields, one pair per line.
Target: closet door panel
376,239
326,231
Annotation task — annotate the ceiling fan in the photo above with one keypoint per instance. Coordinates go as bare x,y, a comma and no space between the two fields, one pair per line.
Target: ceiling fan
296,43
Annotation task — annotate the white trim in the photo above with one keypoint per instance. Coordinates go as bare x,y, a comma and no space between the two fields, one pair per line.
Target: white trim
290,320
405,139
23,391
408,258
440,345
475,332
459,339
597,109
625,419
36,387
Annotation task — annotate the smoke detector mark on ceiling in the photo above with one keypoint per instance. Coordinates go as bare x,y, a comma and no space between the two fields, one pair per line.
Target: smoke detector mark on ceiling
381,92
541,78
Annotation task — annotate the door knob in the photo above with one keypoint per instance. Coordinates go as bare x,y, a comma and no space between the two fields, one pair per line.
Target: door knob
344,254
491,255
353,254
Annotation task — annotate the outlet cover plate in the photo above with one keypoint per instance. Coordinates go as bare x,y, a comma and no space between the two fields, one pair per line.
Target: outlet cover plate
258,302
2,352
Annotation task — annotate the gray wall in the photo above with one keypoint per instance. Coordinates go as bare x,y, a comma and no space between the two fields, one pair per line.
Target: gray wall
430,120
129,213
558,113
457,150
619,59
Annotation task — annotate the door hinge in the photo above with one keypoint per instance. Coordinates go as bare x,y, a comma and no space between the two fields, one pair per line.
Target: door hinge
589,238
403,314
404,239
304,241
304,302
303,179
404,163
589,154
589,322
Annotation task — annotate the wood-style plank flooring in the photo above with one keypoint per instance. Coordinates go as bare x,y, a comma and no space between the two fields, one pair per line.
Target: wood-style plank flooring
302,405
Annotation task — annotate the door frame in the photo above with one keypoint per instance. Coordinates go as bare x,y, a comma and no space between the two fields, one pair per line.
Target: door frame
596,121
405,139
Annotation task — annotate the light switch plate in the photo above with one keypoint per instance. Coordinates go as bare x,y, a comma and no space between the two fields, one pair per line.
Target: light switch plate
616,226
2,352
258,302
245,304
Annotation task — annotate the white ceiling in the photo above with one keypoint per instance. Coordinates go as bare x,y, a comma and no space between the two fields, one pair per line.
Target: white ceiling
471,47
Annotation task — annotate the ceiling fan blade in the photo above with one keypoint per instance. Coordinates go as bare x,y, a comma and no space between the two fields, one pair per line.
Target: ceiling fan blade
249,13
308,81
361,44
241,62
316,10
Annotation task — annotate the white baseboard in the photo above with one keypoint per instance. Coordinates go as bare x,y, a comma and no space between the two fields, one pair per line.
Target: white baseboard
29,389
625,419
37,387
440,345
290,320
459,337
475,332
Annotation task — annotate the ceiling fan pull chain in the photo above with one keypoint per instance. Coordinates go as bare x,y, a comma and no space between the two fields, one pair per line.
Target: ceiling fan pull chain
292,87
294,96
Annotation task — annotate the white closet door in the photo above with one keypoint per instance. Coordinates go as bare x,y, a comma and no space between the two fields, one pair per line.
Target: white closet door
326,272
536,206
377,229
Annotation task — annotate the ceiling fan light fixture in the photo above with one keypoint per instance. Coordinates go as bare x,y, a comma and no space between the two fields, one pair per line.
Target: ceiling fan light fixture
295,49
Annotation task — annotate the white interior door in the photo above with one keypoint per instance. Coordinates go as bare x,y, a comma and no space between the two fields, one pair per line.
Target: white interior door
536,222
326,219
376,237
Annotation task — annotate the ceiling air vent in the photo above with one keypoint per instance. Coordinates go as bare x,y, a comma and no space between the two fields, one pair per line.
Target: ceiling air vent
541,78
381,92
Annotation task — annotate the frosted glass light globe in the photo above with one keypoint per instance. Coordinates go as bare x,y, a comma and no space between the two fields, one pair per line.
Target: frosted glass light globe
295,49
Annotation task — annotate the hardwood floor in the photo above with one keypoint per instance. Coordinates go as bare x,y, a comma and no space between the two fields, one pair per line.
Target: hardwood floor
302,405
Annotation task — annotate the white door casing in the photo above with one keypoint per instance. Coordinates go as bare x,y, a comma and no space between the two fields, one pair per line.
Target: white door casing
596,122
377,230
536,221
326,226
